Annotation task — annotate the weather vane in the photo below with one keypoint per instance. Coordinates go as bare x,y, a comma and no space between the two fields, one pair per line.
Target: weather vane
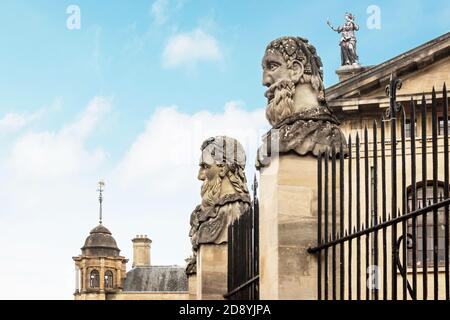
101,188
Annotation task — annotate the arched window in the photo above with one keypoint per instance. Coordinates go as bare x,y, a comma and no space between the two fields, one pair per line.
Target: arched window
429,225
94,279
109,280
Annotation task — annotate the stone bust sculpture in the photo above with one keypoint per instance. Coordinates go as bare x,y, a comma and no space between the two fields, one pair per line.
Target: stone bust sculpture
297,110
224,192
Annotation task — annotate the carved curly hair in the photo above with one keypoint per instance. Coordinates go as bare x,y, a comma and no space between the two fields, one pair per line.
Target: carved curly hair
299,49
228,151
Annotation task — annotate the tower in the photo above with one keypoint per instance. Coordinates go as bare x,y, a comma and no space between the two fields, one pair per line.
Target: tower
100,269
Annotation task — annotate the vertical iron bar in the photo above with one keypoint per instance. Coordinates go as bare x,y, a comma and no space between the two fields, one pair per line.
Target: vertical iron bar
341,212
333,219
375,202
434,126
239,255
358,218
326,194
349,226
424,198
235,255
393,122
319,226
366,197
383,200
230,257
446,191
256,211
248,253
413,207
404,243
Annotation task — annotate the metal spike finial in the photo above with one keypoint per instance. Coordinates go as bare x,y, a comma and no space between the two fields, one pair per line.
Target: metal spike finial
101,188
255,183
255,187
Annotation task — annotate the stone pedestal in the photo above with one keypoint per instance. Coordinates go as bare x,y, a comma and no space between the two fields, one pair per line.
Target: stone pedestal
212,264
192,286
345,72
288,227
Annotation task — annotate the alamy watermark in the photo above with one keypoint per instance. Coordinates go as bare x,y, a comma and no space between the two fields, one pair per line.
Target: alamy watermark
373,277
374,19
73,22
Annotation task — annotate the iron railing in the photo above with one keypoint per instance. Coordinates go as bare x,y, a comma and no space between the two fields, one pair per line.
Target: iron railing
392,267
243,254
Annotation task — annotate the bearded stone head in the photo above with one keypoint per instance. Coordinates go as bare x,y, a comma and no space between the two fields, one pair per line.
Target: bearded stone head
292,71
222,165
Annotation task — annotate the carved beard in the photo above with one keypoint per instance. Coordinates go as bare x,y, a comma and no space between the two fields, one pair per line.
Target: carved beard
281,101
211,191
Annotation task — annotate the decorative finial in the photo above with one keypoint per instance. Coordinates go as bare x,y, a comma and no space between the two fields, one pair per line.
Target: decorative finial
391,91
101,186
255,186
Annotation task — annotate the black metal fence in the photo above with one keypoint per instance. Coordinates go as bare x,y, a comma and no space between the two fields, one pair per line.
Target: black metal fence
398,247
243,254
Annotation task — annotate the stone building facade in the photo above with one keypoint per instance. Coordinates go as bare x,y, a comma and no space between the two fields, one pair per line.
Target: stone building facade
101,272
360,99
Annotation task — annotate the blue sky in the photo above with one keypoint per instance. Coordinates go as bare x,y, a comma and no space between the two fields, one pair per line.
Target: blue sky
130,96
118,51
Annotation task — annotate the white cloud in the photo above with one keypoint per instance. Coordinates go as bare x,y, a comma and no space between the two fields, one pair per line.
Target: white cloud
12,121
55,154
161,10
187,49
172,139
50,202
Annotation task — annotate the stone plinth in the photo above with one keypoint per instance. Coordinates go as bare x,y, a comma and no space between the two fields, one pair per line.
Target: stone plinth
345,72
212,264
192,286
288,227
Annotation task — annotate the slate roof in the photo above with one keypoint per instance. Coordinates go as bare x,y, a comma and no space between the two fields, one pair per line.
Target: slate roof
156,279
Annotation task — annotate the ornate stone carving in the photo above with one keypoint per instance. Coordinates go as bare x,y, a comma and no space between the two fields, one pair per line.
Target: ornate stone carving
191,267
297,110
348,40
224,192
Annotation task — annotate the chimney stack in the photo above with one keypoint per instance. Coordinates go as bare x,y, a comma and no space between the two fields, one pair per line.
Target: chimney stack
141,251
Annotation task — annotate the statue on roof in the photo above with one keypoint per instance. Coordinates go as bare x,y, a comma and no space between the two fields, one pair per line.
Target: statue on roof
348,40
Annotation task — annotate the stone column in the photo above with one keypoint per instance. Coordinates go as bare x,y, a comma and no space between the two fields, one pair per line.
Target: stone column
212,269
118,278
102,274
87,275
83,279
288,227
192,286
77,279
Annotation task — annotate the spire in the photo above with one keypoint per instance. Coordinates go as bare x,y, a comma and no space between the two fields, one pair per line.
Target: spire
101,185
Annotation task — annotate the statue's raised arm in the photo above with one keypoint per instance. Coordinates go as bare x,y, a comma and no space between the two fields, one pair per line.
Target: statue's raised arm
332,28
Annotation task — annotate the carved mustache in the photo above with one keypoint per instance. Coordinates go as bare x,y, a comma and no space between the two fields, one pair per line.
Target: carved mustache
279,85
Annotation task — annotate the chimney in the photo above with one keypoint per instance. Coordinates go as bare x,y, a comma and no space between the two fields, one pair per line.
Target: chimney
141,251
